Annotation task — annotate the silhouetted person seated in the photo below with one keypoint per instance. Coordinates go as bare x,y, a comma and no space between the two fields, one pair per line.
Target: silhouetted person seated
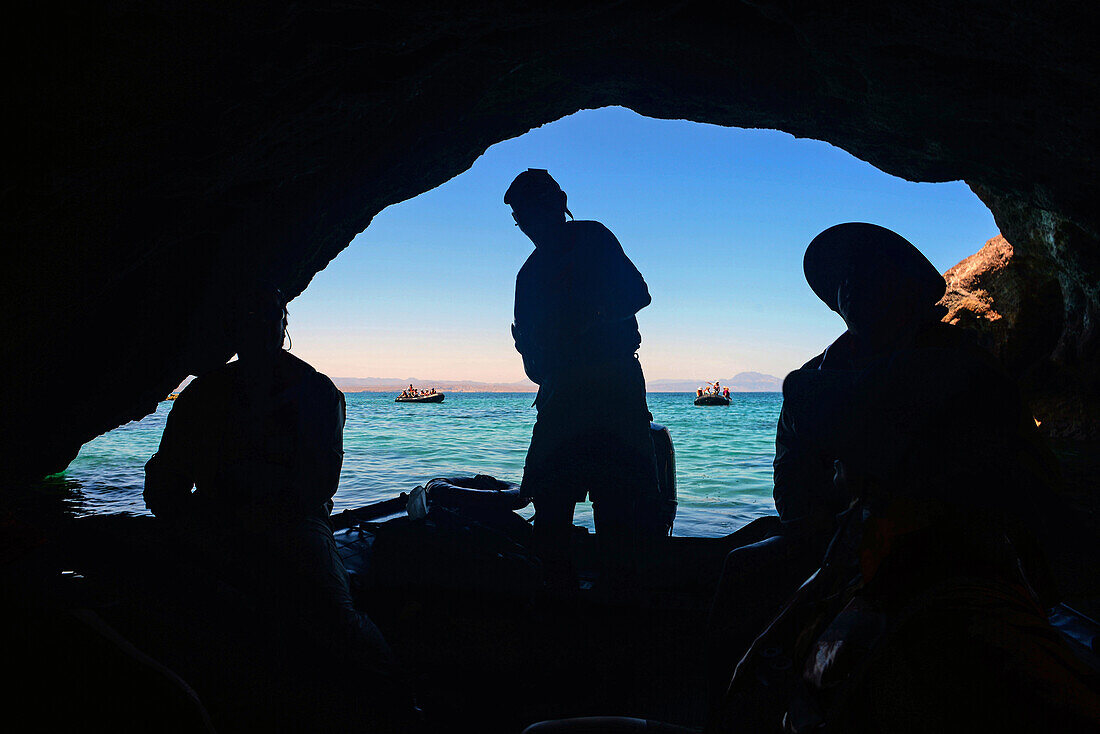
261,442
928,611
575,326
887,293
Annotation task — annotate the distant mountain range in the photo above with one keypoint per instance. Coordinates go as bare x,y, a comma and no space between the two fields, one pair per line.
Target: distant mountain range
741,382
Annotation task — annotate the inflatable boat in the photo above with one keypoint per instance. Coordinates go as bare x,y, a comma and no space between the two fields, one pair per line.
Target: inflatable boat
433,398
712,400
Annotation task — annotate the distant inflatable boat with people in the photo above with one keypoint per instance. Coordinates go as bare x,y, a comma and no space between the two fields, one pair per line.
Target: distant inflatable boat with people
713,394
413,395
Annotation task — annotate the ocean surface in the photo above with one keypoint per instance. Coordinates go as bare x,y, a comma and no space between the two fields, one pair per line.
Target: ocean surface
723,454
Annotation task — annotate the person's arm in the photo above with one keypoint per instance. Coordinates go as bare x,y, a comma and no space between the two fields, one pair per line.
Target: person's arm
529,352
525,332
321,443
170,473
792,472
802,474
620,290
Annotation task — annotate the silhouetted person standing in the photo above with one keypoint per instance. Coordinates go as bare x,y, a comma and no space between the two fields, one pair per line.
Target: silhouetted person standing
261,441
575,326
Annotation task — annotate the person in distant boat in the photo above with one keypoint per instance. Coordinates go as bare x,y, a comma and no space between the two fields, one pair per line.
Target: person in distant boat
726,393
575,327
892,381
261,442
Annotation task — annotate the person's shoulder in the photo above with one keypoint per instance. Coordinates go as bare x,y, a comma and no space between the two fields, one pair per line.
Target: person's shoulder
596,242
212,380
209,388
839,345
299,366
942,334
591,230
586,225
966,350
814,363
295,365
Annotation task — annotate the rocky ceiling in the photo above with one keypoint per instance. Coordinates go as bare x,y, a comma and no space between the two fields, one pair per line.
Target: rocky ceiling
163,154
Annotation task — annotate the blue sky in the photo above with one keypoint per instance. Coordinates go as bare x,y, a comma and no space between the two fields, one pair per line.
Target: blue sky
715,218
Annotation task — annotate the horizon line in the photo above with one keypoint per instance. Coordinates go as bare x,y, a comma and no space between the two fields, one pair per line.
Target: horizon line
526,380
380,389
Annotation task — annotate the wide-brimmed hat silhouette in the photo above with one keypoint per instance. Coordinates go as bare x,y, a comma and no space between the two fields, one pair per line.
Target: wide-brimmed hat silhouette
858,250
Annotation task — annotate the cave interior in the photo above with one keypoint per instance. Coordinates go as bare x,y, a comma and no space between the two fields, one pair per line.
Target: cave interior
163,155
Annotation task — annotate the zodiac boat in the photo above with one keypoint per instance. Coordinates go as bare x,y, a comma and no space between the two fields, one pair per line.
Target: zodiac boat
433,398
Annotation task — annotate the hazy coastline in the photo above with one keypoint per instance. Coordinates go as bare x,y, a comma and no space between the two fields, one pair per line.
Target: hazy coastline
741,382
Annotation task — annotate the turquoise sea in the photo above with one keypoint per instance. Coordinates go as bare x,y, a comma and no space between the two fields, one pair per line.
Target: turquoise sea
723,454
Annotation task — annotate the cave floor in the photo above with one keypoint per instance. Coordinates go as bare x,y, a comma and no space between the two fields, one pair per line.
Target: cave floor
494,662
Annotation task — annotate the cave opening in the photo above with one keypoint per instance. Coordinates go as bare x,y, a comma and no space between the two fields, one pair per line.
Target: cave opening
715,218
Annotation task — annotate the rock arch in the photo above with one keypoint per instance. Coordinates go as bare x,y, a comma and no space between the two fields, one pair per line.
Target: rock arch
166,153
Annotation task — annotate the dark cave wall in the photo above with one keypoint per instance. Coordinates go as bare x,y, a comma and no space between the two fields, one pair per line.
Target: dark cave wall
164,154
1058,373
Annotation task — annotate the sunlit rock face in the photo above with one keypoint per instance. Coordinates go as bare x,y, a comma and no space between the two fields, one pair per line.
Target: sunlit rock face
166,154
1013,303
